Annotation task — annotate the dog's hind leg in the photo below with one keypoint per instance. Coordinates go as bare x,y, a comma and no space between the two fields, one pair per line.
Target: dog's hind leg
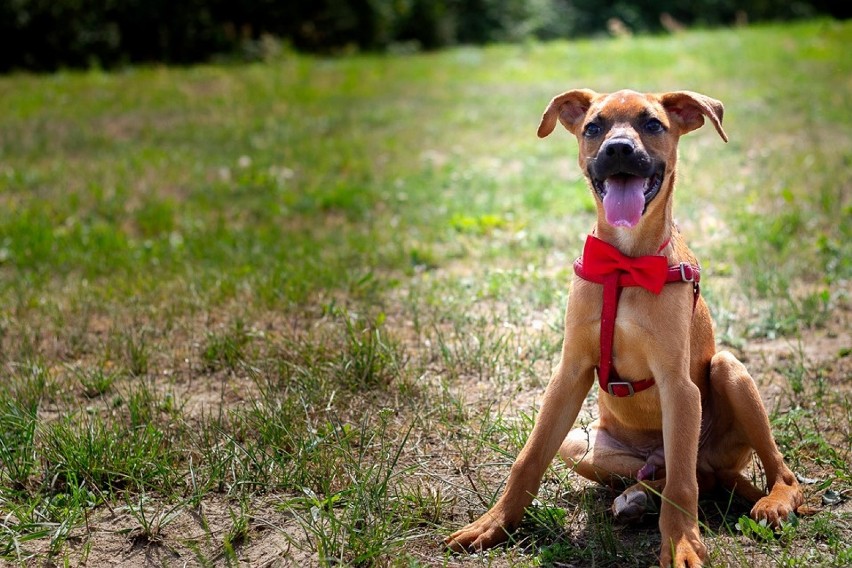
738,483
734,386
593,453
596,455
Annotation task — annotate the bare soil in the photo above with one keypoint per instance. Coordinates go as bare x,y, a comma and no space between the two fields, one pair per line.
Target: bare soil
194,535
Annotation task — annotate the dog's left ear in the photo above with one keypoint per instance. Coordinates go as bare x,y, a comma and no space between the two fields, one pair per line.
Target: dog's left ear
688,109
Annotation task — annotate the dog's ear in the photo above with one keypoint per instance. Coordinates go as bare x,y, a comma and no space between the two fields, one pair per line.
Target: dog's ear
688,109
570,107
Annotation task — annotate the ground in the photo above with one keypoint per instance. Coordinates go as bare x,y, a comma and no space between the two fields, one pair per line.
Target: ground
302,311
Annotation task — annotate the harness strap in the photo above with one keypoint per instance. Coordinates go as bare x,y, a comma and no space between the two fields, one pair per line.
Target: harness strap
613,282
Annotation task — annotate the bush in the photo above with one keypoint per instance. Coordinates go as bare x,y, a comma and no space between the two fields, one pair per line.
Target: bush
46,35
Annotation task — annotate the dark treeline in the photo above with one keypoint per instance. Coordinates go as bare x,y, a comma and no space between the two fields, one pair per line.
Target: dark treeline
51,34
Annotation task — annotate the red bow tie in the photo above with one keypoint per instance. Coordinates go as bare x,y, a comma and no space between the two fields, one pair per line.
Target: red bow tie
600,259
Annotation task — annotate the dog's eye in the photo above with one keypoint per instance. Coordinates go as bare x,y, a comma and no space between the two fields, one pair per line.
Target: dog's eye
654,126
591,130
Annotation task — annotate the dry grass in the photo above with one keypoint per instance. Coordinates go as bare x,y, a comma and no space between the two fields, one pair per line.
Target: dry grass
302,312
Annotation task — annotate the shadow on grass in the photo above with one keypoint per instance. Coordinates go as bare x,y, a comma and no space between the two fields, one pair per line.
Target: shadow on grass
585,533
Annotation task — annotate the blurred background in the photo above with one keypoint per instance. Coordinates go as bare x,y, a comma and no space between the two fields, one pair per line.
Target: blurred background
46,35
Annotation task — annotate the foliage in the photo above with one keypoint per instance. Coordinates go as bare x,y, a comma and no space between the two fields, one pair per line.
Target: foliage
45,35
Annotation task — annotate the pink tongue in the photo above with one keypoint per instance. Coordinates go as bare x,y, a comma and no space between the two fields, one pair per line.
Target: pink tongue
624,200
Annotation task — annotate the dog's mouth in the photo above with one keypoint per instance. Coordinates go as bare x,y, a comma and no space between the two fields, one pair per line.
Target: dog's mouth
626,197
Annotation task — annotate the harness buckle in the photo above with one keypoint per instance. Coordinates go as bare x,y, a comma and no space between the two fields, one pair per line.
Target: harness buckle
624,389
687,273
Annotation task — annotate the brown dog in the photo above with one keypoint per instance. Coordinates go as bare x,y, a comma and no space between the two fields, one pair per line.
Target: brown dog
685,417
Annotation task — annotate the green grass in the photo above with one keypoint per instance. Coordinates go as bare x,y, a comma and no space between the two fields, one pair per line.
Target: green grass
304,309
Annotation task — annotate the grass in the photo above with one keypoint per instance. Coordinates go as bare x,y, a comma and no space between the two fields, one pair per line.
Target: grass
303,309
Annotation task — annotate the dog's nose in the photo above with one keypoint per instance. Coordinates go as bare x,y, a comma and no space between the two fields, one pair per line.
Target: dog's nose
619,147
621,155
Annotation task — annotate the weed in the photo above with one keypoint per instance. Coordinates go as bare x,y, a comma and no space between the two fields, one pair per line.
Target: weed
17,445
151,517
426,504
371,359
358,522
95,381
107,457
227,349
238,533
136,351
760,530
469,351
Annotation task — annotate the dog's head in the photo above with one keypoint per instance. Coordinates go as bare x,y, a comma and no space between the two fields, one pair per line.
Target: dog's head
628,143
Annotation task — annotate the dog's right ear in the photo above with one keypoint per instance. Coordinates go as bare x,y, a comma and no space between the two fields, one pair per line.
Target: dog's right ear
570,107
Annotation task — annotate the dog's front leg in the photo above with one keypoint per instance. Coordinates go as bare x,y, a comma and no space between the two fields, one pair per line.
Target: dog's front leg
560,406
681,404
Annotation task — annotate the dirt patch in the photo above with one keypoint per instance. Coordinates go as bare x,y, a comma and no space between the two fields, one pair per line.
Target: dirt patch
217,531
258,531
823,354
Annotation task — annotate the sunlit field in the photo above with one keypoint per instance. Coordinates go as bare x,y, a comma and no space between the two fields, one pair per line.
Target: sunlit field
302,311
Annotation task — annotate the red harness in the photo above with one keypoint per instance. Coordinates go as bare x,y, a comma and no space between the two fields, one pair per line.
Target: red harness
602,263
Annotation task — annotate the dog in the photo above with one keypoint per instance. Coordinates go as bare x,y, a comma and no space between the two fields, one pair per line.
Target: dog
675,415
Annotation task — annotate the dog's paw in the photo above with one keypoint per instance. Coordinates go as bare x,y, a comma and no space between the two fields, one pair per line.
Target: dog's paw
630,506
776,507
483,533
684,551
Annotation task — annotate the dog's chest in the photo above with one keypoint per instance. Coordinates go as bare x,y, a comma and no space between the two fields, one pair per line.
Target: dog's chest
629,355
634,333
650,331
